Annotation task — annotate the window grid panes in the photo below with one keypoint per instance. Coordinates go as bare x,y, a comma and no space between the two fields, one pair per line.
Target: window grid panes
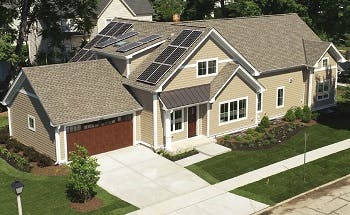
234,110
325,62
207,68
176,120
280,97
211,67
323,90
31,122
202,68
259,102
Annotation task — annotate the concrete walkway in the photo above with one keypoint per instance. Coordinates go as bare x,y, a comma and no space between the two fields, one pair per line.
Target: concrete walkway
203,201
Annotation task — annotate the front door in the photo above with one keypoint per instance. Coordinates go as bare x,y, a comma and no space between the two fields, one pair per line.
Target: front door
192,121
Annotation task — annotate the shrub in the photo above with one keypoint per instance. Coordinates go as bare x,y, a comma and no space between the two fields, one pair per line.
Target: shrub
14,145
315,115
15,160
299,113
260,129
83,176
44,161
307,114
227,137
265,122
4,135
290,116
180,155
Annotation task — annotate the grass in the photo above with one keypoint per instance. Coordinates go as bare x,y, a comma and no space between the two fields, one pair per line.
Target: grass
290,183
235,163
3,121
46,195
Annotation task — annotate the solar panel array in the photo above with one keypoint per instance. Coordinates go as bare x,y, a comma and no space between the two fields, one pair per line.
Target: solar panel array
169,56
130,46
84,55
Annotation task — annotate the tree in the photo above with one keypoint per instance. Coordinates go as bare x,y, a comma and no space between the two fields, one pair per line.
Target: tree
7,51
165,9
243,8
83,177
199,9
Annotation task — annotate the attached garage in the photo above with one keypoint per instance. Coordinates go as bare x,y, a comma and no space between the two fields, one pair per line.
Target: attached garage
102,136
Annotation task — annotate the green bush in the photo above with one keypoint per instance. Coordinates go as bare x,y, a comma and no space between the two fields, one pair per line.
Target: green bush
83,176
265,122
4,135
307,114
15,160
179,156
44,161
227,137
14,145
290,116
260,129
299,113
31,154
315,115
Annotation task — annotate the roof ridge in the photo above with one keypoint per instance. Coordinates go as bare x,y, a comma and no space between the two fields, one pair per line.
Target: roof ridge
63,64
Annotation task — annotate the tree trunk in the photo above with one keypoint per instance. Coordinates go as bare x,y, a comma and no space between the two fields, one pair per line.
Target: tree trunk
223,8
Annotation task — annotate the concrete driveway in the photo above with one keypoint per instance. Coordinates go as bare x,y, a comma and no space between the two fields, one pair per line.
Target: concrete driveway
143,178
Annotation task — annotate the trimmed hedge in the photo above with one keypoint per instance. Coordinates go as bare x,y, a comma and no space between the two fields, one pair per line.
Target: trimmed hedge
15,160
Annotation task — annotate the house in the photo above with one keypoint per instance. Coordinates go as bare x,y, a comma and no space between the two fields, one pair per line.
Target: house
169,85
106,11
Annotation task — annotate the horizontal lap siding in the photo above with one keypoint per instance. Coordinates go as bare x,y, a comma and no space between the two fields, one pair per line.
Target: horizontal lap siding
204,118
43,139
293,92
237,88
160,121
323,75
187,77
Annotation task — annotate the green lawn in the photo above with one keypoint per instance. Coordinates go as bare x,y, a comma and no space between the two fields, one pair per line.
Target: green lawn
3,121
290,183
235,163
46,195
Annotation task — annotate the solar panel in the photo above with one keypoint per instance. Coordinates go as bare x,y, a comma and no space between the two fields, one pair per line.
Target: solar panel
122,29
127,35
148,72
86,56
114,29
165,54
93,42
129,47
182,36
78,55
191,38
149,38
103,39
175,56
158,74
107,28
106,43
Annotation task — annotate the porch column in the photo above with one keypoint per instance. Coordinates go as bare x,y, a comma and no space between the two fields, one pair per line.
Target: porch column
311,78
167,129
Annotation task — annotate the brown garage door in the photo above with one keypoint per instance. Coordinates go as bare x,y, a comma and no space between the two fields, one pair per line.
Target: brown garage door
102,136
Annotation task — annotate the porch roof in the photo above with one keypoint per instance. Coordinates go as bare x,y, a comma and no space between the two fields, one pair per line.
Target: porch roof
186,96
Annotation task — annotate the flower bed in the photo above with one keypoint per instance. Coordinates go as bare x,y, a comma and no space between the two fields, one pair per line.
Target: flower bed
177,156
15,160
261,138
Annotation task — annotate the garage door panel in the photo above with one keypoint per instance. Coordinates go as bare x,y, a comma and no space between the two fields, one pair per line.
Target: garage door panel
104,138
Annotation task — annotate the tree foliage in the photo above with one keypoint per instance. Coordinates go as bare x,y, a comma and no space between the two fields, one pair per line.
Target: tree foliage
165,9
83,177
243,8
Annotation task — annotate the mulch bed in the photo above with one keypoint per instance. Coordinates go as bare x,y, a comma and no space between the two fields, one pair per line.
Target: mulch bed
93,204
50,170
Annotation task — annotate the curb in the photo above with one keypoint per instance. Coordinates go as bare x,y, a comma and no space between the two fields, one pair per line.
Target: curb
302,194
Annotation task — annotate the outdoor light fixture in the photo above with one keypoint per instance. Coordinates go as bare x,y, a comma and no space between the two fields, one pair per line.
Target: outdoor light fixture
17,186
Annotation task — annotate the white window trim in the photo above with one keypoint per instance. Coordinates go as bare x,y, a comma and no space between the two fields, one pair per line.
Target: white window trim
30,128
284,98
182,121
207,62
259,111
319,82
328,63
234,120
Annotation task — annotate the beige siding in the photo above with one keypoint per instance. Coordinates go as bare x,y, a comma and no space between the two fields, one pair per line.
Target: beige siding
236,89
187,77
43,139
138,125
137,60
294,92
204,121
146,116
62,144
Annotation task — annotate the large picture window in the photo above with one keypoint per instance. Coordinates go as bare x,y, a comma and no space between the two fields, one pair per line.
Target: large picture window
233,110
207,68
280,97
323,90
176,120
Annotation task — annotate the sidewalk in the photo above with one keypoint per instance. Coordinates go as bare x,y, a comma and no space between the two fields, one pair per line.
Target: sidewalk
195,202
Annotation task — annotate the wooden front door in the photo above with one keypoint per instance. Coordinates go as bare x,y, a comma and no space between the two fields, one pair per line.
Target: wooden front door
192,122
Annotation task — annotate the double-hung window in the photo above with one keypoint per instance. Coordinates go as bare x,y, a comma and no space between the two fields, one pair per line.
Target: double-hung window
207,68
31,122
325,62
280,97
233,110
176,120
259,102
323,90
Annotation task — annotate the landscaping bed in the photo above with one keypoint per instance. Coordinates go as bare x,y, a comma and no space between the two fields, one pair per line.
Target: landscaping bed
285,185
177,156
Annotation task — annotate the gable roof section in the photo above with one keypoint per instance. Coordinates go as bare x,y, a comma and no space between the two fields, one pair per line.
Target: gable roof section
102,5
75,92
139,7
314,50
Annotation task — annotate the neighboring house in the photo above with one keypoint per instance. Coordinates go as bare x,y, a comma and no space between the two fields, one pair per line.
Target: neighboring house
106,11
167,85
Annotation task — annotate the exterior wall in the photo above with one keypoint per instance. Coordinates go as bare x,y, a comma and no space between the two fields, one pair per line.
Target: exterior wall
43,138
294,92
237,88
204,115
146,115
321,74
117,9
187,77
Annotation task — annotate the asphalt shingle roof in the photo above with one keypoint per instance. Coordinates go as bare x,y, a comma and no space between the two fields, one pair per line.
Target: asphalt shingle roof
139,7
314,50
81,90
